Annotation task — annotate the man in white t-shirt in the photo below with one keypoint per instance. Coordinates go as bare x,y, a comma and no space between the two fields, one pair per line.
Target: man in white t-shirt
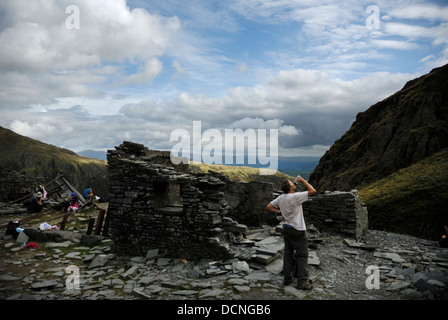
289,205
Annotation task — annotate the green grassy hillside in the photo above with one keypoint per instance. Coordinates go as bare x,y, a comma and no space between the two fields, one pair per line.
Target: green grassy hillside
34,158
241,173
414,200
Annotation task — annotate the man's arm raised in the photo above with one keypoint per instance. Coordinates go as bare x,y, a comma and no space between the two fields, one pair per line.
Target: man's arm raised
309,187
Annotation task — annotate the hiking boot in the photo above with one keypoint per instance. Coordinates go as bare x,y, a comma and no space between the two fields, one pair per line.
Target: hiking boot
304,285
287,282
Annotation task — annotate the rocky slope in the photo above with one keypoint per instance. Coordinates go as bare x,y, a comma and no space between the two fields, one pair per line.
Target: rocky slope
34,158
395,133
340,269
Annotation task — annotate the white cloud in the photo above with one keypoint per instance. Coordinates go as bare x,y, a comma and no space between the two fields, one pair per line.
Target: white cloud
178,67
111,41
147,74
138,73
40,130
258,123
420,11
409,31
308,107
336,37
394,44
289,131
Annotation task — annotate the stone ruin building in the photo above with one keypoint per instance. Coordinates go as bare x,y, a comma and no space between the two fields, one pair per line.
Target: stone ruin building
14,185
154,204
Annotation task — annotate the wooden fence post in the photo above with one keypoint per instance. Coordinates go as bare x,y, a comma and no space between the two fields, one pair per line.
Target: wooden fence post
99,222
90,227
106,224
64,221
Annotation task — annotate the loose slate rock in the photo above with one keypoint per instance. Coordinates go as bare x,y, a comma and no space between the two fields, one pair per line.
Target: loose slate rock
7,277
64,244
99,261
291,290
275,266
185,292
242,288
398,285
44,284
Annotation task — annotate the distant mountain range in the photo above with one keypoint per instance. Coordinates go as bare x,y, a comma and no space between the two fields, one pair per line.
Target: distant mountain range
101,155
288,165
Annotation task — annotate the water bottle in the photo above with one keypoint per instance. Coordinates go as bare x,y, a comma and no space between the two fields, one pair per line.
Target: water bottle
295,182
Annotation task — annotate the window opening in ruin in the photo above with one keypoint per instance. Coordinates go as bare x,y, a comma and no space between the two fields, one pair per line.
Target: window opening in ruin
167,197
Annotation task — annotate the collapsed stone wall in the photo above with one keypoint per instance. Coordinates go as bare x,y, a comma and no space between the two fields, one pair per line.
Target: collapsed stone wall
15,185
155,204
248,201
339,212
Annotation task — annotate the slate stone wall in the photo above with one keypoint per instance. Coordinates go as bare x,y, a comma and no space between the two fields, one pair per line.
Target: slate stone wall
154,204
15,185
340,212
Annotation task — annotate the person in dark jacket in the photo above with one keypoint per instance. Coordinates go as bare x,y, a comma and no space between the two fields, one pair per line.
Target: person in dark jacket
35,205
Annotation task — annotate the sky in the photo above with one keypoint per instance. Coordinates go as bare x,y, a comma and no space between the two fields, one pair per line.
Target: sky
88,75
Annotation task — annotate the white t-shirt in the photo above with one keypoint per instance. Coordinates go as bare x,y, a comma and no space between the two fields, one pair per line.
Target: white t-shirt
290,204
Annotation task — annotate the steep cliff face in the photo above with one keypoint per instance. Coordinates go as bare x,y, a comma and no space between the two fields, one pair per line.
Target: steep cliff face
37,159
395,133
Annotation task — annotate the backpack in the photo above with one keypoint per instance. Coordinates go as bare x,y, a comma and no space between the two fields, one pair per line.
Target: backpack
11,229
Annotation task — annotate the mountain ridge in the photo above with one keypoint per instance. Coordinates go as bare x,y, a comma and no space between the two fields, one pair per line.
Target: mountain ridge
392,134
396,155
35,158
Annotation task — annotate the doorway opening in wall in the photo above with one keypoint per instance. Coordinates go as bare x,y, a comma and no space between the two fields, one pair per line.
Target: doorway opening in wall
167,197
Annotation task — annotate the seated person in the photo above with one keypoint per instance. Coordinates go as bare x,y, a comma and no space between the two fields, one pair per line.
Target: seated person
88,194
72,203
35,204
